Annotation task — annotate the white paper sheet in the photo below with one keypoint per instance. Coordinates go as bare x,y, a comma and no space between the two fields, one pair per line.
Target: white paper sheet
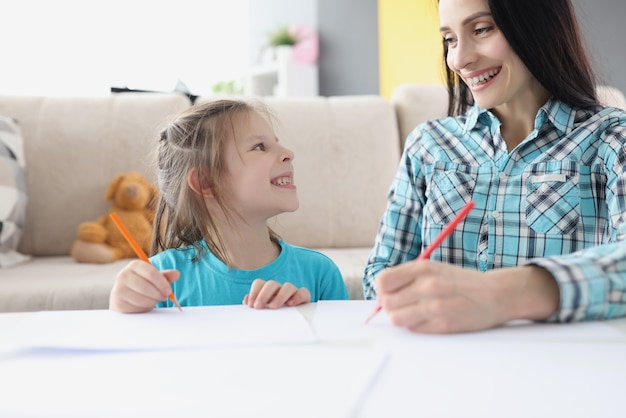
334,320
207,326
517,371
280,381
495,379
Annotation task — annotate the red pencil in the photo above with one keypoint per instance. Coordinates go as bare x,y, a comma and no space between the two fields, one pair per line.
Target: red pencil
436,243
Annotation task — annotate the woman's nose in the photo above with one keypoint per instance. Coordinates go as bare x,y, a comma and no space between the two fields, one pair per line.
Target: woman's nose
460,56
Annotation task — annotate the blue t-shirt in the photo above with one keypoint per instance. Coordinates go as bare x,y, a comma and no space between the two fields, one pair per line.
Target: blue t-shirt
209,281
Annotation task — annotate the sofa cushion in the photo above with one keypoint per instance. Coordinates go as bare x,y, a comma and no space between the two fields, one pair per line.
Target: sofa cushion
351,263
417,103
12,192
74,146
58,283
346,156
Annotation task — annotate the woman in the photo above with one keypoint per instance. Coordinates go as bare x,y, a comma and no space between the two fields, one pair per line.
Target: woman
545,164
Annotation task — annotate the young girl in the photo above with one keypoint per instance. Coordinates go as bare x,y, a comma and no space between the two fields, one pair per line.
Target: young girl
545,164
222,174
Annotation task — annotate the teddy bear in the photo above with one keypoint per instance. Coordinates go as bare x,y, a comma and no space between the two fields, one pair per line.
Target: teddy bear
134,200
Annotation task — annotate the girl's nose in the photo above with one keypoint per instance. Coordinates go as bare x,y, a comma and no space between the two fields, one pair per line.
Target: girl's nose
287,154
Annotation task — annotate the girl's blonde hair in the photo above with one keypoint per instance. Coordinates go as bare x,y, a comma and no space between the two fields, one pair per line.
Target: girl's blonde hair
196,139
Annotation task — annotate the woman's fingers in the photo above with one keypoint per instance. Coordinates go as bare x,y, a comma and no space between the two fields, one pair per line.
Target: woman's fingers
440,298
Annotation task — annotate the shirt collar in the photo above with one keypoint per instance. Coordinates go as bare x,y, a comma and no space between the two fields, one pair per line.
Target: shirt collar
560,115
473,114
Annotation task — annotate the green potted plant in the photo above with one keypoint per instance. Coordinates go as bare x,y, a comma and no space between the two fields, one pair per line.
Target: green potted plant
281,36
280,44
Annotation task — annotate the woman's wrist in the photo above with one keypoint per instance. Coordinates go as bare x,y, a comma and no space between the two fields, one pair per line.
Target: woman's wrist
528,292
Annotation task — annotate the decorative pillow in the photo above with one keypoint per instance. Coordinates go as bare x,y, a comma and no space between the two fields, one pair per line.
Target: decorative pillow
12,192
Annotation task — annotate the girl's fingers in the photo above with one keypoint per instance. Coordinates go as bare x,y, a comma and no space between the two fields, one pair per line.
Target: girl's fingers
300,297
137,302
147,280
285,292
255,289
273,295
139,286
266,294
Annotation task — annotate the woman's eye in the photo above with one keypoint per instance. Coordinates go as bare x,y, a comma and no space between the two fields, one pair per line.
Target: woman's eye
483,30
448,40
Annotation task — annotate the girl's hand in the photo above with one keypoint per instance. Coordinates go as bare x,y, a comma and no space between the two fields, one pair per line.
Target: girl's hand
273,295
431,297
139,286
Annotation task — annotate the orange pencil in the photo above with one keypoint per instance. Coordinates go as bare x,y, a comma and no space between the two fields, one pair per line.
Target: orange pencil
137,248
436,243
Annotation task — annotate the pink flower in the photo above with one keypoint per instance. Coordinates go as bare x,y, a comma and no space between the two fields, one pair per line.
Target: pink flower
306,49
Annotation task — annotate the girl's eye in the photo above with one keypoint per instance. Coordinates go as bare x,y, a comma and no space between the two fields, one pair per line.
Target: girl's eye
259,147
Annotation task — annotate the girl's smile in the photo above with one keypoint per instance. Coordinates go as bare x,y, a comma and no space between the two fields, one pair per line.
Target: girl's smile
284,180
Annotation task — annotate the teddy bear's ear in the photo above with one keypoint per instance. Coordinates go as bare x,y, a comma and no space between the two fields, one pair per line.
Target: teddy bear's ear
115,183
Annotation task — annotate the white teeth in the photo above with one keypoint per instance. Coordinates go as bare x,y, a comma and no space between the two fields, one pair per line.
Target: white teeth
282,181
483,78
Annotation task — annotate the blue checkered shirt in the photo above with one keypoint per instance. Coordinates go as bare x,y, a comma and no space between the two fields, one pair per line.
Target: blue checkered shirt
558,200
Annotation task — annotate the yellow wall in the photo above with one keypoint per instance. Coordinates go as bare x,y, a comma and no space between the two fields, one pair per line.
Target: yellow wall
409,43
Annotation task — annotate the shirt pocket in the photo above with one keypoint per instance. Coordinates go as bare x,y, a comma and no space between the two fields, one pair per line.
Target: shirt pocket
553,200
448,192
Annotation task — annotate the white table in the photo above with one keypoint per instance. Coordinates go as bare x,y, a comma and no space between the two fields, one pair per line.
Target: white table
349,370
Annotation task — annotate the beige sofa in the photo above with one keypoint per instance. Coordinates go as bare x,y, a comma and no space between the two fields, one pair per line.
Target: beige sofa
346,154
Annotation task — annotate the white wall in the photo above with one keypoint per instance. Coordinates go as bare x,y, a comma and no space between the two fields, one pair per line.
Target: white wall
604,27
78,47
73,47
349,47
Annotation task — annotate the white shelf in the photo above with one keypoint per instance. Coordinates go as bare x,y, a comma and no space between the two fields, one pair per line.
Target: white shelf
282,79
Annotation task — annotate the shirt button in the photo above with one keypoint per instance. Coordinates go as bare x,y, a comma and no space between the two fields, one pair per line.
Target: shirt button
502,176
483,257
495,214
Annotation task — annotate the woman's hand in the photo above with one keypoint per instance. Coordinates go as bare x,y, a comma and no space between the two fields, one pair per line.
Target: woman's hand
431,297
139,286
273,295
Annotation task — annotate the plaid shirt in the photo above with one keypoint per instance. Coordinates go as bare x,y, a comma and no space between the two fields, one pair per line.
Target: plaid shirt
558,200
